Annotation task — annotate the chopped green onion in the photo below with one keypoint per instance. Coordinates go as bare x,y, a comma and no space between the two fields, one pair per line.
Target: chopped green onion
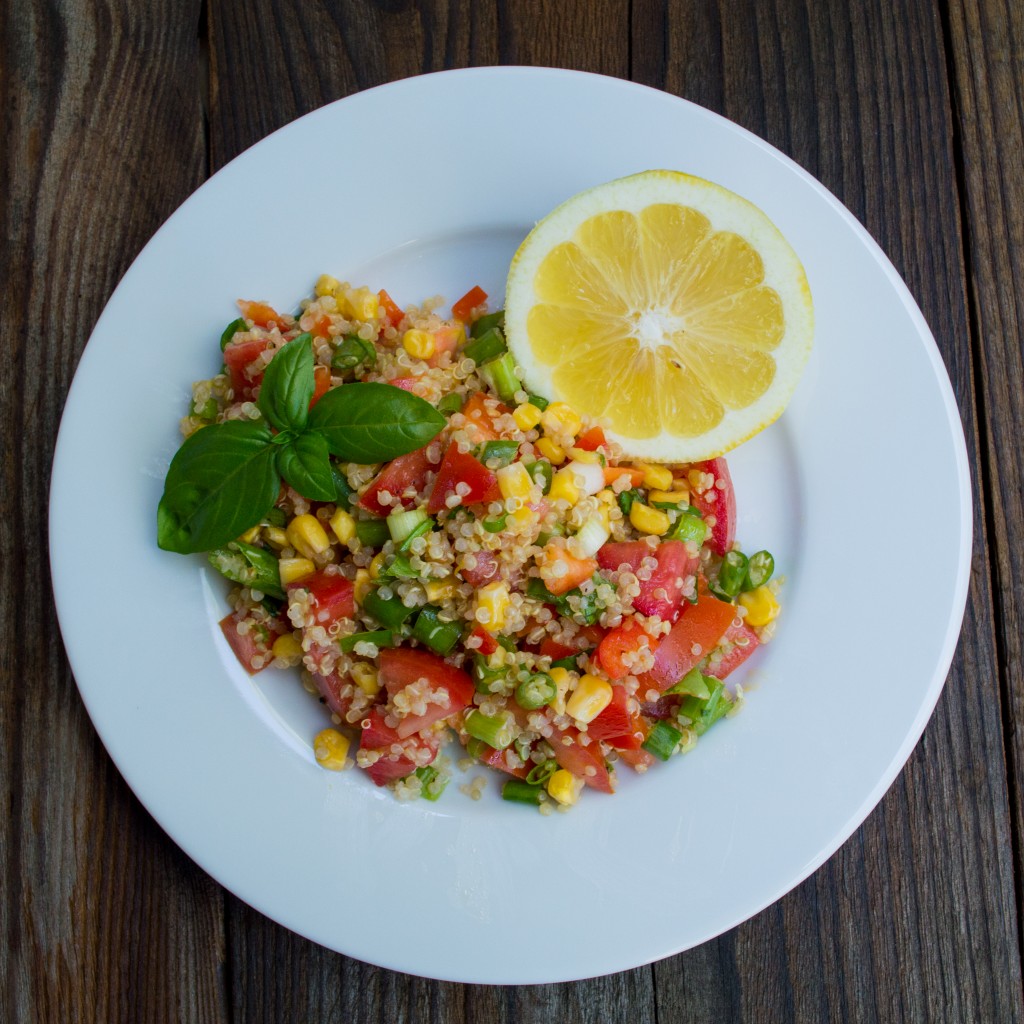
760,569
536,692
353,351
372,532
207,412
488,679
670,506
494,730
540,773
732,573
504,451
250,566
693,683
507,642
377,637
495,525
567,663
704,713
626,499
522,792
484,323
449,404
425,527
541,473
432,782
439,636
233,328
401,524
538,402
662,740
485,346
477,748
390,613
401,568
688,527
343,492
275,517
501,376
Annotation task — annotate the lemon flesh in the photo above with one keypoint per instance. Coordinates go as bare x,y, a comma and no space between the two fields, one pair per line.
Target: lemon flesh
667,308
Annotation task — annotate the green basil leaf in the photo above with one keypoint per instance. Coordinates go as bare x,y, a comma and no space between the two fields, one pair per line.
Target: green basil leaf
368,423
288,385
306,465
221,482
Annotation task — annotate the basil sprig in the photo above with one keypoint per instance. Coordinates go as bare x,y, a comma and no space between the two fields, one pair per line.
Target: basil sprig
227,476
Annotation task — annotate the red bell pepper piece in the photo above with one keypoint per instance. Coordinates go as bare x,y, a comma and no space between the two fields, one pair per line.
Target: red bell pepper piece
462,309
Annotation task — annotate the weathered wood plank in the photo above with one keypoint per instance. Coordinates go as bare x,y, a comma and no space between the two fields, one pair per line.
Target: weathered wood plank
914,918
102,918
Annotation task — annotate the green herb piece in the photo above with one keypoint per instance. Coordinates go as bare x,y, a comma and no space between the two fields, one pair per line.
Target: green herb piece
439,636
588,611
537,691
371,422
417,531
221,482
233,328
538,402
400,568
539,774
567,663
451,403
342,490
626,499
693,683
353,351
288,385
485,346
378,637
504,451
520,792
760,570
432,782
250,566
489,320
494,730
306,465
389,612
662,740
374,533
541,472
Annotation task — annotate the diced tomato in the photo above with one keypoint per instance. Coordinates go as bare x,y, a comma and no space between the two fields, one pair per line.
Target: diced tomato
462,309
592,439
462,468
258,639
720,502
574,570
237,356
497,759
401,666
405,383
639,760
590,635
259,313
488,645
674,564
446,339
551,648
690,640
336,692
407,473
577,759
322,326
744,641
612,473
321,384
625,639
483,570
332,596
615,721
481,423
378,735
392,313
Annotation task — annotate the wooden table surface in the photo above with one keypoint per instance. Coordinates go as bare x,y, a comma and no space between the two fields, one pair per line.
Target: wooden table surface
910,111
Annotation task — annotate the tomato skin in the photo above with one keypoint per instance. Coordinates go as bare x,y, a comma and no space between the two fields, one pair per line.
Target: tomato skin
739,654
333,596
462,468
576,759
481,423
401,666
378,735
488,645
674,563
576,570
615,724
591,439
630,636
260,313
483,572
551,648
336,692
321,384
722,505
392,313
496,759
701,625
322,326
399,475
461,310
639,760
245,647
237,356
446,339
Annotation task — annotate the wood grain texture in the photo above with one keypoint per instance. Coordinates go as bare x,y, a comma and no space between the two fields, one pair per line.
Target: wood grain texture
102,918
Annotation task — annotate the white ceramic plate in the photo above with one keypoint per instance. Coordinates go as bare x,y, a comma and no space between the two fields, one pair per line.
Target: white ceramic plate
866,468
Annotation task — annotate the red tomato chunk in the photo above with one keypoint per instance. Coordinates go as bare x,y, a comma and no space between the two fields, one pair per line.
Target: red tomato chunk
402,666
462,468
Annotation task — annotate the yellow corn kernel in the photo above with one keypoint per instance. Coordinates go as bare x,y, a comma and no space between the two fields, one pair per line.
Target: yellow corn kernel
676,497
287,646
514,481
527,416
307,536
364,675
340,294
522,517
326,285
562,680
551,451
582,455
591,696
564,787
361,585
491,605
564,486
364,304
251,535
762,606
376,565
559,418
330,749
293,569
649,520
656,476
275,537
419,344
343,525
441,590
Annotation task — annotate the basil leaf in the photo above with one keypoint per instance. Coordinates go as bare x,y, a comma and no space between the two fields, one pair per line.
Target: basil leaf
368,423
221,481
306,465
288,385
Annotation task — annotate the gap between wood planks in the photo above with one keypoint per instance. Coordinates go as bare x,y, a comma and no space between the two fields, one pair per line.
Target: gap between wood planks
987,455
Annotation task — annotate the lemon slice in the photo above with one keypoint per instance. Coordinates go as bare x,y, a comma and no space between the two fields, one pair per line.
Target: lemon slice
666,307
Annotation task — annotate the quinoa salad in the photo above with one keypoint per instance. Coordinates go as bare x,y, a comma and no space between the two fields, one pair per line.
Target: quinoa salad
443,555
